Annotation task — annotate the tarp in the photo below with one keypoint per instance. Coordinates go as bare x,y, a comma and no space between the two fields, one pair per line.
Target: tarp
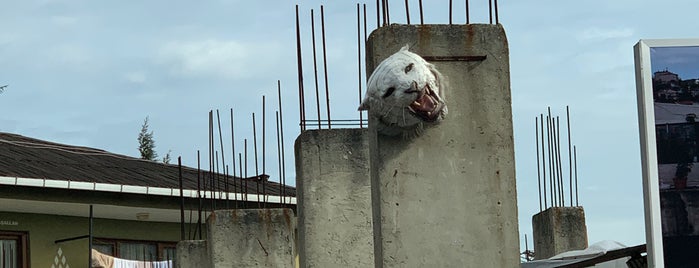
595,250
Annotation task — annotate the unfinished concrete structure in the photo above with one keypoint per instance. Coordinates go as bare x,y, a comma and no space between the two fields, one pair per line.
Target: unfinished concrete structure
243,238
447,198
334,200
557,230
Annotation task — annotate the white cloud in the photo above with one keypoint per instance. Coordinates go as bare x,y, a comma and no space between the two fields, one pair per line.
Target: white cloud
136,77
595,34
228,59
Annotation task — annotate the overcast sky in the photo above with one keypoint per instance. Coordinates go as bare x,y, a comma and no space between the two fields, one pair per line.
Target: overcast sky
88,72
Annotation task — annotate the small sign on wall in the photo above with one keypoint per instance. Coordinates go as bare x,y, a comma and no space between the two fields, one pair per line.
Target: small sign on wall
667,82
8,223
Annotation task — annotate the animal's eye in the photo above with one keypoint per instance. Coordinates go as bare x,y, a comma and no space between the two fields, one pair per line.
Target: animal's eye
408,68
389,91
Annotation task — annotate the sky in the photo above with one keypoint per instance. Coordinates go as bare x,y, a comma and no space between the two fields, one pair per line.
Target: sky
89,72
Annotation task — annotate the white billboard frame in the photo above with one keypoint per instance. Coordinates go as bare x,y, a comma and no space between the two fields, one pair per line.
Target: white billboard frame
649,155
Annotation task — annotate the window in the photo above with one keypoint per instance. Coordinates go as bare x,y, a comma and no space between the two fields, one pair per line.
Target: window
136,250
13,249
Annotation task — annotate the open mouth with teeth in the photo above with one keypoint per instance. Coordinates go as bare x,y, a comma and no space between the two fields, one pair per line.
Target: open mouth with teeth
427,106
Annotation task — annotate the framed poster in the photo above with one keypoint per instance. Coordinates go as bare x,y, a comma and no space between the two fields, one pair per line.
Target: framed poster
667,83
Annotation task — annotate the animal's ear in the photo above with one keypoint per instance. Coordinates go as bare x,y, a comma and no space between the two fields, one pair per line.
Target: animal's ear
405,48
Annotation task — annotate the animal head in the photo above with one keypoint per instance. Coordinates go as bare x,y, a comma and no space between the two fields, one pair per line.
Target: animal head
403,92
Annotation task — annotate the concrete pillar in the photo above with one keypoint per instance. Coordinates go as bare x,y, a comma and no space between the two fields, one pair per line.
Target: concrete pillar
557,230
251,238
334,198
192,253
447,198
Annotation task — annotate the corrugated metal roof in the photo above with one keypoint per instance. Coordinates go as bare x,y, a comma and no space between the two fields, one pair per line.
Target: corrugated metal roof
26,157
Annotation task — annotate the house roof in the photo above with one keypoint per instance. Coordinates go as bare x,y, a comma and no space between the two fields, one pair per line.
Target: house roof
24,157
673,113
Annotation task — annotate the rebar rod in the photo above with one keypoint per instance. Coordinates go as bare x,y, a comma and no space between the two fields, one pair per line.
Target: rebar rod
264,153
497,19
315,65
468,21
570,158
422,21
490,11
257,170
538,172
450,11
246,170
575,156
543,159
279,159
325,64
407,12
300,71
359,63
235,205
198,229
281,131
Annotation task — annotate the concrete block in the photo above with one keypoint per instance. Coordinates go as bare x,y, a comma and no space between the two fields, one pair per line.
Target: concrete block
334,198
192,253
251,238
557,230
448,198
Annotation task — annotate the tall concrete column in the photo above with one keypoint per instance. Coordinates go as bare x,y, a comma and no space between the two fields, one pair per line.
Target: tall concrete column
447,198
334,198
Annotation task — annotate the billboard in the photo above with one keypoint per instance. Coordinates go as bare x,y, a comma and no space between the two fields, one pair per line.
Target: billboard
667,82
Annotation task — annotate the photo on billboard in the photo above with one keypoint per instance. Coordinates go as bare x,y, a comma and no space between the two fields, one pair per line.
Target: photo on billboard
667,78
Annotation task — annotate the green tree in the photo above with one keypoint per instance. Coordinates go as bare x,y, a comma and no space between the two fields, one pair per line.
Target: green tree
146,144
166,159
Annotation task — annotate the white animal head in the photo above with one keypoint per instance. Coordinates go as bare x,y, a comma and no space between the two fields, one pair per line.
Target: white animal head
403,92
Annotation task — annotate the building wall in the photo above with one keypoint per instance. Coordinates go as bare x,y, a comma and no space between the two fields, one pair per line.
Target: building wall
44,229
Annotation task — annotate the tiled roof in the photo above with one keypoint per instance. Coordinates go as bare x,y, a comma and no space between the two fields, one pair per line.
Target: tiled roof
25,157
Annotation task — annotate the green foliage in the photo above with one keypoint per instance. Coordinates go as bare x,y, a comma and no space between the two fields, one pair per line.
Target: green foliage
146,144
166,159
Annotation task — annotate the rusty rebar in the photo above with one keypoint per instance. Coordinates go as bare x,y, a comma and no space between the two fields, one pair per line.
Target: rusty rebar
179,171
490,10
538,172
552,185
315,65
359,63
575,156
246,170
388,14
378,16
365,23
279,159
223,159
281,131
497,19
299,65
422,22
257,170
543,159
450,12
570,158
198,229
233,157
325,64
212,184
468,21
561,182
407,12
264,154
